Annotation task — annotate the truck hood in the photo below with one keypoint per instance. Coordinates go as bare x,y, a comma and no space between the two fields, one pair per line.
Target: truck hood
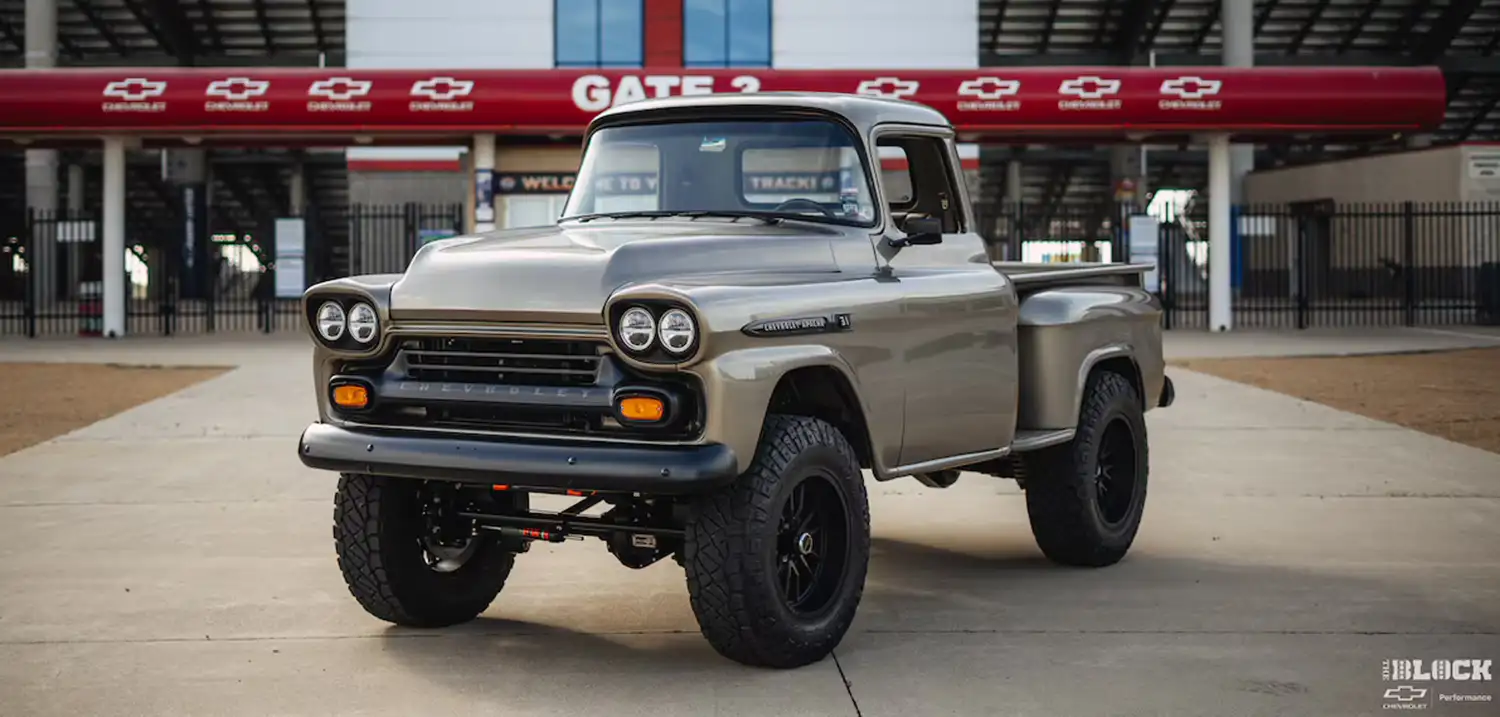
564,274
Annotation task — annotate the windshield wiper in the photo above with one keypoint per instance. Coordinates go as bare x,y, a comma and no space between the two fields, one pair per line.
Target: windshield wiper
692,213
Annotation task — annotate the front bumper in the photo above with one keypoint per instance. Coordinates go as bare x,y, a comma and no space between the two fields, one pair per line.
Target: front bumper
661,470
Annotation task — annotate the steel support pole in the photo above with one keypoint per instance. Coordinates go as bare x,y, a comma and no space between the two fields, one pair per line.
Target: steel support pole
1237,20
114,237
41,164
1220,313
484,182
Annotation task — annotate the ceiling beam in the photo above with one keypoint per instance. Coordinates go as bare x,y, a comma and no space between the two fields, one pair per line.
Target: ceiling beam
1163,9
147,21
1138,14
1048,25
994,39
86,7
1481,113
265,25
211,23
1313,17
12,36
1266,8
1408,25
316,16
1357,27
1208,27
177,29
1432,44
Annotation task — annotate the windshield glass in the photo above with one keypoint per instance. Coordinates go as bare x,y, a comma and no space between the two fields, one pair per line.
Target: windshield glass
805,169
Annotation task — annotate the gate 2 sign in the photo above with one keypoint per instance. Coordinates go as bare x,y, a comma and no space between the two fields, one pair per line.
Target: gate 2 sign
982,103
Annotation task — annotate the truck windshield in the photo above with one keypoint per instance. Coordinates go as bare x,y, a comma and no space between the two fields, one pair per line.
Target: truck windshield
796,169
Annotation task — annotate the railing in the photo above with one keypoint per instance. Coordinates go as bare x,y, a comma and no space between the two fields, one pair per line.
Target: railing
1292,266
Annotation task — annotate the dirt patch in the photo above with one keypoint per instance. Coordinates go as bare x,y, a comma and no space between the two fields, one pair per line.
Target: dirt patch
39,401
1452,394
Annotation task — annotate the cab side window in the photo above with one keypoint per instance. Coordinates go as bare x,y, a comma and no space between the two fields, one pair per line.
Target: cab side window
918,180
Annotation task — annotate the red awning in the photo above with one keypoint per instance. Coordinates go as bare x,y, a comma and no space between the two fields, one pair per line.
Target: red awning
303,105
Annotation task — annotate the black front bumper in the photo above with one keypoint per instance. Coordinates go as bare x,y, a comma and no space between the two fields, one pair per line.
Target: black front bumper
662,470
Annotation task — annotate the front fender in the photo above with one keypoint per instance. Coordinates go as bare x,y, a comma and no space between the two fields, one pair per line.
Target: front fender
738,386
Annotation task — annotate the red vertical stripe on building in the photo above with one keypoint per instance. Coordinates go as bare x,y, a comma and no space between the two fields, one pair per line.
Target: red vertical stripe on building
663,41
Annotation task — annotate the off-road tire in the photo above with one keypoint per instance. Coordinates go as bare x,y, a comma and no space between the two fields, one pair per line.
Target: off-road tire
377,526
731,549
1066,514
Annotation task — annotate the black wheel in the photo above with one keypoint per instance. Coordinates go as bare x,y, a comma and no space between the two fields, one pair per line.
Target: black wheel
407,559
1085,498
776,560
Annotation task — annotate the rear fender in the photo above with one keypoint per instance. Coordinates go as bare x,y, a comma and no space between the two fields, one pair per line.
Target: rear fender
1067,332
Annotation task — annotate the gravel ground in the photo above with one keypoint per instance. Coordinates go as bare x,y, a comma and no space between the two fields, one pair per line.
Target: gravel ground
39,401
1450,394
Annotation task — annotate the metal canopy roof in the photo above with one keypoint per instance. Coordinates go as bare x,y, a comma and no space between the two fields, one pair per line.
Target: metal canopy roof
95,33
1461,36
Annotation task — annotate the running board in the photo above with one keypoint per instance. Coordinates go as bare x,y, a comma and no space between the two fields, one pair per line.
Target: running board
1034,440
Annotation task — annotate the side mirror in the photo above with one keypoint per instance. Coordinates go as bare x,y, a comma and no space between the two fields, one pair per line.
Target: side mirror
922,230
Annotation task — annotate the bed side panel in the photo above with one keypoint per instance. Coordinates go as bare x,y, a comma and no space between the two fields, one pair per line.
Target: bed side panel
1065,330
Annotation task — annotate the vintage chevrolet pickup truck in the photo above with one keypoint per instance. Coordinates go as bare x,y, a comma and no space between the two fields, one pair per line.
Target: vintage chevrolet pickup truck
737,315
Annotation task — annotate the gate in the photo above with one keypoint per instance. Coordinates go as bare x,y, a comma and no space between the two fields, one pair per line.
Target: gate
51,274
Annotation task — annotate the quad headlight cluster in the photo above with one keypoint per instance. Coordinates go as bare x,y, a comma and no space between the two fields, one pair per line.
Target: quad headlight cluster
358,323
673,330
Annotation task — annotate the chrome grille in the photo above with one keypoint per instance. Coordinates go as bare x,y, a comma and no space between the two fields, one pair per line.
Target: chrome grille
516,362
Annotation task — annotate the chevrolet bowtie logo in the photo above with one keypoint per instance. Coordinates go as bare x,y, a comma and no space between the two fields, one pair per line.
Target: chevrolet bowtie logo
892,87
989,88
238,89
442,88
135,89
1089,87
339,89
1191,88
1405,693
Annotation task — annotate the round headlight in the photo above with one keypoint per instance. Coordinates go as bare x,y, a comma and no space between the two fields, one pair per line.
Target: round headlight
677,331
363,323
331,321
637,328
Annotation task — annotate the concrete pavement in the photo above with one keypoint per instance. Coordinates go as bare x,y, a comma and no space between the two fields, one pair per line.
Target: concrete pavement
177,559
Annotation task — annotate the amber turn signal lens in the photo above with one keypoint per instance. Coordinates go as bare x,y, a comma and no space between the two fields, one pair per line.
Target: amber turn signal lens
351,396
642,408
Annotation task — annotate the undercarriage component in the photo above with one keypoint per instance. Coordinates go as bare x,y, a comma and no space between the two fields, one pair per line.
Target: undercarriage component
938,479
638,532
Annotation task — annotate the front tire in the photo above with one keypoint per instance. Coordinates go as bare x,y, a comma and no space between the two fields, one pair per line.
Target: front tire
776,560
397,570
1085,498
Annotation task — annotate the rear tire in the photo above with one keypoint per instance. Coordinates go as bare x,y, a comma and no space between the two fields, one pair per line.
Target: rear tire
1085,498
380,532
776,560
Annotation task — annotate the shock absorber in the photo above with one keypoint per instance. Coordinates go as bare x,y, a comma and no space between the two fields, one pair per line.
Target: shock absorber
549,536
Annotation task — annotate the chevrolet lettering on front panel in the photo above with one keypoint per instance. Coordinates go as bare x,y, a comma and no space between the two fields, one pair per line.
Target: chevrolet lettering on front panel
710,365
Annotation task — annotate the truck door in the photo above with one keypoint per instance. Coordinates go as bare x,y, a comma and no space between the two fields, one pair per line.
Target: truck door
959,314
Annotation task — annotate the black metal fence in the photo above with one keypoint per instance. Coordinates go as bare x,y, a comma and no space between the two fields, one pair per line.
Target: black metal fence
1292,266
242,274
1316,264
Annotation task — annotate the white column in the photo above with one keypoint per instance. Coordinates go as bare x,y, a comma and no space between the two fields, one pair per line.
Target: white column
41,164
484,182
114,237
75,212
297,189
1219,312
1237,20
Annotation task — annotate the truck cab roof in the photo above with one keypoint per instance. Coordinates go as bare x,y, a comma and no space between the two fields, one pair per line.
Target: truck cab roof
863,111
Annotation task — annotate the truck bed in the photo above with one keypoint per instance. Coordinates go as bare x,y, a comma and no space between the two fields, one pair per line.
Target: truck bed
1039,274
